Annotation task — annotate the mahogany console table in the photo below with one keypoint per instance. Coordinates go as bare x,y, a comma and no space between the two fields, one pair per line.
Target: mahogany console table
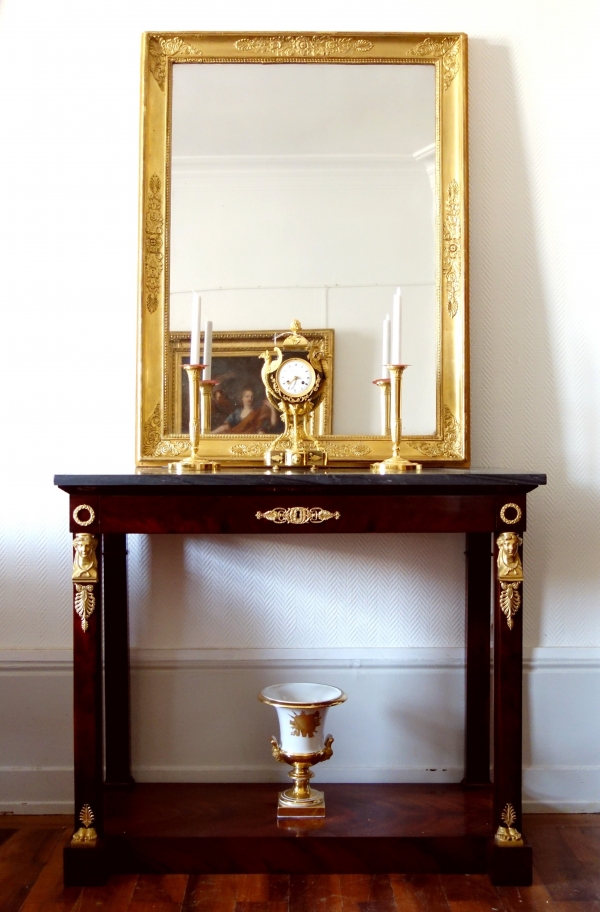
206,828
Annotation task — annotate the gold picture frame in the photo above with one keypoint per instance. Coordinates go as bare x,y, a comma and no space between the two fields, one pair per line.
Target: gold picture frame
236,367
157,442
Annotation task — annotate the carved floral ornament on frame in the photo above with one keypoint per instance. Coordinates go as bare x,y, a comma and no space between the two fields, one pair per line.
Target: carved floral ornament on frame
159,440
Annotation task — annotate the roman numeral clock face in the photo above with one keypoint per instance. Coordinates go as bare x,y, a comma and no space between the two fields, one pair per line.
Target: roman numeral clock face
296,377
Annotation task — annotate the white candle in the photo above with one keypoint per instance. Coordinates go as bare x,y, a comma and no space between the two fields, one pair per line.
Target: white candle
195,341
397,328
386,353
208,350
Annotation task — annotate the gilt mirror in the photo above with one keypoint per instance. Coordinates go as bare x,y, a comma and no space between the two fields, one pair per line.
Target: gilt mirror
305,177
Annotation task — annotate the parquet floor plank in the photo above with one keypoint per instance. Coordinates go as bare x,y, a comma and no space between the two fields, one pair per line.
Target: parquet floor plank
114,896
315,893
367,893
527,899
566,879
24,858
419,893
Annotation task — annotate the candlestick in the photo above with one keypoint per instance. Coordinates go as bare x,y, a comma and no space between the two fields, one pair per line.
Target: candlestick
397,328
195,338
207,358
386,355
396,463
200,395
384,385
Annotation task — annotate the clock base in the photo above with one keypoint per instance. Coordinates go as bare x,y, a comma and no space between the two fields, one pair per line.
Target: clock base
296,459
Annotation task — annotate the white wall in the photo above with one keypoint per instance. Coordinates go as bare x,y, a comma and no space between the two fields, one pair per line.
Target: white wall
69,109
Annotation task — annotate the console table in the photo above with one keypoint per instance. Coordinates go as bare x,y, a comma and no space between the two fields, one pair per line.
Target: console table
205,828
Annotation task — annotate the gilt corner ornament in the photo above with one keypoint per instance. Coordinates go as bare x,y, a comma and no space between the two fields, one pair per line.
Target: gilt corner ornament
152,440
297,516
447,48
510,574
153,243
86,834
159,51
450,446
304,45
507,834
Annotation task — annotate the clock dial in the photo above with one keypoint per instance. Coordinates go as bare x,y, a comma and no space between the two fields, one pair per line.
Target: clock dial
296,377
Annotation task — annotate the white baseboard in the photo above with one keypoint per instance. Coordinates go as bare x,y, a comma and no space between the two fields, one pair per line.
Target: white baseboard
36,791
405,704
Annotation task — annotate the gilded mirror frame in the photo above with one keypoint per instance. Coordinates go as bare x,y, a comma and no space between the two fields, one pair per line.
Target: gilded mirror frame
449,446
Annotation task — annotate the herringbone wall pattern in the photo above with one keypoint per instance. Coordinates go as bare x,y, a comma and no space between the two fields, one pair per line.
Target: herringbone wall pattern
319,591
535,371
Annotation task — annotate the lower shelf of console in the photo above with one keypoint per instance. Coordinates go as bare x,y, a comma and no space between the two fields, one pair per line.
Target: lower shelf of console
228,829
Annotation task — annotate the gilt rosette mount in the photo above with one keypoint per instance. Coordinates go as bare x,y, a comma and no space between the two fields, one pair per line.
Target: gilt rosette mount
295,375
301,711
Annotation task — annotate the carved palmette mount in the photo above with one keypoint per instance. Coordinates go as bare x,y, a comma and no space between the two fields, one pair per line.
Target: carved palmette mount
160,49
447,49
297,516
450,446
153,243
86,833
304,46
85,603
507,834
510,601
451,265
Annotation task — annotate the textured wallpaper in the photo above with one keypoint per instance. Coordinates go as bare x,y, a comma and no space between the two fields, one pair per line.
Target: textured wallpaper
319,591
535,370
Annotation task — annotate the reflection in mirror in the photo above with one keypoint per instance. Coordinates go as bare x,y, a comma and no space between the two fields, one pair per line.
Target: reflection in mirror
309,192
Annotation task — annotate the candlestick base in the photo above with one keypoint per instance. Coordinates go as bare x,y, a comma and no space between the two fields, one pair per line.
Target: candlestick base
394,465
192,465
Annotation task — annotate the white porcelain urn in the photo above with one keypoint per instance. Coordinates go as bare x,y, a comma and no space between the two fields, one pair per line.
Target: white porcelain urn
302,710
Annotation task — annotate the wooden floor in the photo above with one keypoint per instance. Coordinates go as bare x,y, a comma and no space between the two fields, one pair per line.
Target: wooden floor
566,858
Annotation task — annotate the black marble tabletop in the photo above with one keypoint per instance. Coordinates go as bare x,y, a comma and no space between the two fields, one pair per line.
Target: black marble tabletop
230,477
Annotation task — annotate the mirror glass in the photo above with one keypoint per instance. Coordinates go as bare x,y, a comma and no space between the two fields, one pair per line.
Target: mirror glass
309,192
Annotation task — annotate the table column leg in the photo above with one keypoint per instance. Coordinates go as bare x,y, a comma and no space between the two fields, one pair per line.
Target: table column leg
510,860
478,618
84,857
116,663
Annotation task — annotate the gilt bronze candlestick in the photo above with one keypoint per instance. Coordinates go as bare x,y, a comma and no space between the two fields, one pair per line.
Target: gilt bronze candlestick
384,384
200,401
396,463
